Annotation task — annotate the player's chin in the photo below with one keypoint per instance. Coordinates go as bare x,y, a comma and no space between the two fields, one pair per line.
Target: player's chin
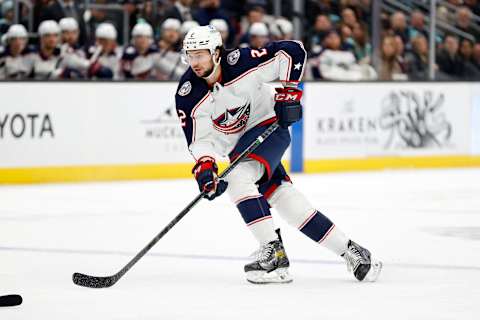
199,73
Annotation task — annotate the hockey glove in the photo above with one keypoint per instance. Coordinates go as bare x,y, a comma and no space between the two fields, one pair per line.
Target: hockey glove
206,174
287,106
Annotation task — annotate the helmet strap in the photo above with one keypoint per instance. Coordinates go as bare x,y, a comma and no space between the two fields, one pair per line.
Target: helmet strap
216,63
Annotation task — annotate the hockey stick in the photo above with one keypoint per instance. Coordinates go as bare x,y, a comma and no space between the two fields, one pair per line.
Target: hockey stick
105,282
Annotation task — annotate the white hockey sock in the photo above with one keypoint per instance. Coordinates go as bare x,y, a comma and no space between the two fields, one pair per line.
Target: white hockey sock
335,241
263,230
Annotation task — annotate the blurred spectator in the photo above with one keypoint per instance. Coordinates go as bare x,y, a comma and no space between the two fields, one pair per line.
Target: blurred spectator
470,70
314,8
258,35
333,63
70,32
473,5
254,14
147,14
321,28
105,55
13,61
47,10
139,61
398,23
417,25
417,60
400,46
443,14
170,35
281,29
222,27
209,10
96,17
390,68
130,7
170,65
349,18
181,10
45,62
362,49
448,59
464,22
186,26
476,55
6,17
74,57
347,35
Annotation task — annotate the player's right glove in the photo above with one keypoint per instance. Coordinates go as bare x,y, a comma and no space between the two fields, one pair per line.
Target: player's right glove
206,174
287,106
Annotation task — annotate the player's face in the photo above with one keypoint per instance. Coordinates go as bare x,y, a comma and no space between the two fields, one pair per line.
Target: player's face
170,35
200,61
70,37
108,45
17,45
49,41
141,43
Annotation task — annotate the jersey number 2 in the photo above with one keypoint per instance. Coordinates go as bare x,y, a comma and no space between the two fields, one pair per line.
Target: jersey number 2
182,116
258,53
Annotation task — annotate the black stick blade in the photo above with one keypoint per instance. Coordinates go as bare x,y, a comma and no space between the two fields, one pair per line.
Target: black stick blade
84,280
10,300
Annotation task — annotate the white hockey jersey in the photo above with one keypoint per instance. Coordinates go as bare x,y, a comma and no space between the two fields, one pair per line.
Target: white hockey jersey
140,66
213,119
108,63
45,67
17,67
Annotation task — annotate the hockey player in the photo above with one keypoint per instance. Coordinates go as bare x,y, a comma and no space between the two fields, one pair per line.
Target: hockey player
170,66
73,54
140,59
14,63
105,55
224,103
46,61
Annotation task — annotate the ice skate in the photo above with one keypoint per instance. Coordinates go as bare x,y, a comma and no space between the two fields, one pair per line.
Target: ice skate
270,266
360,263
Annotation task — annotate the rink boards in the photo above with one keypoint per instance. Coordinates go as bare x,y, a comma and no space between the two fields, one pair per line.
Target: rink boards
85,131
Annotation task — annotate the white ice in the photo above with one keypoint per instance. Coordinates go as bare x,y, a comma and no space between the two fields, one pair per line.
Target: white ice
424,225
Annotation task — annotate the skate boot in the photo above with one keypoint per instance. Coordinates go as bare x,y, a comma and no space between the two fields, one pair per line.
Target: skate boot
270,265
360,262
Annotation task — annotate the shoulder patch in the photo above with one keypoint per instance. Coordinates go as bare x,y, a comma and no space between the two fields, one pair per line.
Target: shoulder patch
185,89
232,57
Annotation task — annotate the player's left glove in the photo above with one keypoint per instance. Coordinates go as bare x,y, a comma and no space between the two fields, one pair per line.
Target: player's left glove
287,106
206,174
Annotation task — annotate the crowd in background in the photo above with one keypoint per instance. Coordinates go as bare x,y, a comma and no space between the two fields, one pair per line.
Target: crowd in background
74,42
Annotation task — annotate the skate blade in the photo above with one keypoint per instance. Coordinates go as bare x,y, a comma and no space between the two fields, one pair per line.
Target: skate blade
280,275
374,272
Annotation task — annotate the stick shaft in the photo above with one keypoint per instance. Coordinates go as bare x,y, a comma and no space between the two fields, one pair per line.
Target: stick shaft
197,199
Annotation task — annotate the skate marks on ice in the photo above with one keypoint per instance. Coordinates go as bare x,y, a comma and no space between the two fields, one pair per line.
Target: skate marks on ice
386,264
466,233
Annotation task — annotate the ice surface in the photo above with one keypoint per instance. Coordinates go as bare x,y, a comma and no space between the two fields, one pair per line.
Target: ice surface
424,225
